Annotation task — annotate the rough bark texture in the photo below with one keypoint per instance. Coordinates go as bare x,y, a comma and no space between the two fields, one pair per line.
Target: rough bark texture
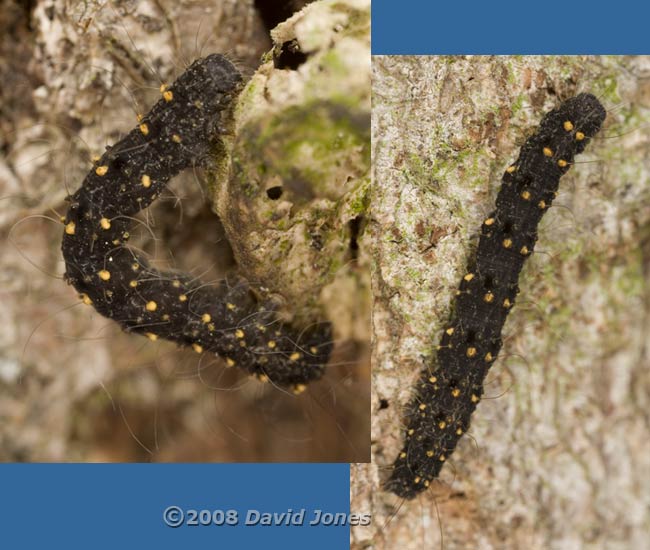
559,457
73,387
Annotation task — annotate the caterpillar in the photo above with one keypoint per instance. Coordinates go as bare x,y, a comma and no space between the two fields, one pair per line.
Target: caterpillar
449,390
181,130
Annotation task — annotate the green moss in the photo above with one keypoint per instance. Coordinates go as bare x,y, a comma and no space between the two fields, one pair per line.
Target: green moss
303,143
331,62
631,281
360,201
517,104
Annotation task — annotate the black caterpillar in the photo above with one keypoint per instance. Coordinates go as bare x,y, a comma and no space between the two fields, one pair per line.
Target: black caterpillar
182,130
448,391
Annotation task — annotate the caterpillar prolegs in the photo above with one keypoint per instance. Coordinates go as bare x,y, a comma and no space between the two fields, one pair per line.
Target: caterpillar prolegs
449,390
181,130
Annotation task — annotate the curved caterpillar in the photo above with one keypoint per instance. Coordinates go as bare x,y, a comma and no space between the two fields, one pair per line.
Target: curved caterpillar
448,391
181,130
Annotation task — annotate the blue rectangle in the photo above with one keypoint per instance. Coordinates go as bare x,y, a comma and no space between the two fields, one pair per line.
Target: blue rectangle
112,506
473,27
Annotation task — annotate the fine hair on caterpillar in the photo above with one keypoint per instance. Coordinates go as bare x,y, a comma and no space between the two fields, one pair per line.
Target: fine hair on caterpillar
178,131
292,419
446,156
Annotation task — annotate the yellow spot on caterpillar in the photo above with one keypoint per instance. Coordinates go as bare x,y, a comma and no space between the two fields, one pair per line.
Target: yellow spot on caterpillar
442,424
145,180
417,480
524,251
271,344
525,195
489,298
295,356
568,125
488,357
459,432
151,306
475,398
422,406
455,392
153,337
313,350
85,299
489,221
206,318
450,331
547,152
580,136
165,317
426,483
198,348
231,307
133,283
176,138
433,379
411,432
70,228
263,378
507,243
144,129
104,275
402,455
176,283
442,458
230,362
105,223
468,277
562,163
507,303
430,453
239,333
511,169
182,298
261,328
471,351
542,205
299,388
101,170
135,266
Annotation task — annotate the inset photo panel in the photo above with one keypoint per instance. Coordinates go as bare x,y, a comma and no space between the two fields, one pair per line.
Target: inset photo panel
184,205
511,252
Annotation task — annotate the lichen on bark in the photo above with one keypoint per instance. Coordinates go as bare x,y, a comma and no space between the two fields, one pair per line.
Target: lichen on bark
299,171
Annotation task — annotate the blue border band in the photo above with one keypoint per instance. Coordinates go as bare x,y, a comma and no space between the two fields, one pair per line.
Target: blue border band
508,27
104,506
